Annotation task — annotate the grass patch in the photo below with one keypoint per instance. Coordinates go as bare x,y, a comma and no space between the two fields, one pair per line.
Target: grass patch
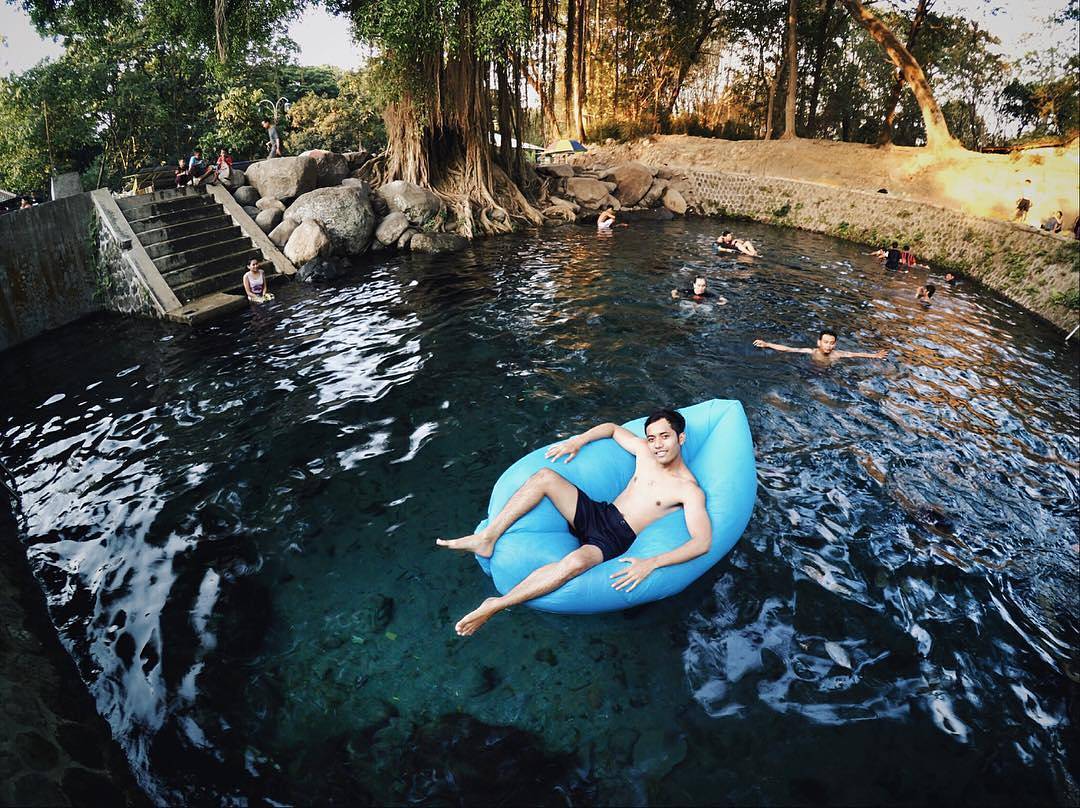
1069,299
782,211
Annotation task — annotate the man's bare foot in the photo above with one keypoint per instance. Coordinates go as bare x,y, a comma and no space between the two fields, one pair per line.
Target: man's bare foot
476,618
476,543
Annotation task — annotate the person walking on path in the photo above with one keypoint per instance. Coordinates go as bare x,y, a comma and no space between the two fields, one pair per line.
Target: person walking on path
273,143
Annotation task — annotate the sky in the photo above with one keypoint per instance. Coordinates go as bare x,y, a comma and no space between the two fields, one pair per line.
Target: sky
324,39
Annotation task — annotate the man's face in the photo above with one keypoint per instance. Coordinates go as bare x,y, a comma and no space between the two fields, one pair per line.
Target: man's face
664,442
826,343
699,286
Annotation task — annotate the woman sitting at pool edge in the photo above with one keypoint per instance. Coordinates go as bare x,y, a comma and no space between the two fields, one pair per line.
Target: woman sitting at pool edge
255,285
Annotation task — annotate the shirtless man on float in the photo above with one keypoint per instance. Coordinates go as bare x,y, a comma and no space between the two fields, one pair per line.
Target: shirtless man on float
825,351
662,483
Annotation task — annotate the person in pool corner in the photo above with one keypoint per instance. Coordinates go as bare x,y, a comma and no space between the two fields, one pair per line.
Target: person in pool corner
698,293
661,484
255,285
825,350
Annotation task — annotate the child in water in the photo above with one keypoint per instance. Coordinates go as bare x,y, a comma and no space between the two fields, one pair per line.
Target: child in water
255,285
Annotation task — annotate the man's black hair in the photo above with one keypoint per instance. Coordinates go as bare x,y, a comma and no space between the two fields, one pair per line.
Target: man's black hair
196,150
906,247
725,233
828,331
895,245
266,120
930,289
673,417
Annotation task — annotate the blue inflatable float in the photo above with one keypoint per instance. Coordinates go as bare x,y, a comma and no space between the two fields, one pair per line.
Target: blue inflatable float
719,452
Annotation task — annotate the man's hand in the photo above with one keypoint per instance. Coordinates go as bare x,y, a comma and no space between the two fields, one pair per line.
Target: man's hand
569,447
631,576
879,354
760,343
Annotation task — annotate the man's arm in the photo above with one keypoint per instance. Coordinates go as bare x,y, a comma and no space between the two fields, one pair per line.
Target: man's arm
697,522
571,446
859,355
760,343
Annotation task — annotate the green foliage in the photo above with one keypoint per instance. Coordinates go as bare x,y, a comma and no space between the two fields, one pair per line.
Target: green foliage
782,211
348,122
1069,299
238,126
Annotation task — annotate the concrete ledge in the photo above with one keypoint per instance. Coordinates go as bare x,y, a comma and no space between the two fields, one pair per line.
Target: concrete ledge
262,242
134,253
206,308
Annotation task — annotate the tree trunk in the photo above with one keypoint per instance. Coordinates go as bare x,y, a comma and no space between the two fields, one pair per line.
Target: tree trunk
793,71
885,136
577,120
819,63
568,64
774,82
937,130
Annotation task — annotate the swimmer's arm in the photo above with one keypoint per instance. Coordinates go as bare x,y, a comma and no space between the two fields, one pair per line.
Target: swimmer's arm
760,343
697,522
571,446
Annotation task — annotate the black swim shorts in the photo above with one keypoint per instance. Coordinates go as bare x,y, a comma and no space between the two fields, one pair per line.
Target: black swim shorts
601,525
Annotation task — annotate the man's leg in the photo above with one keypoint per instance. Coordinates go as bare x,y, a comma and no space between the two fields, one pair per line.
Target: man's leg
539,582
544,483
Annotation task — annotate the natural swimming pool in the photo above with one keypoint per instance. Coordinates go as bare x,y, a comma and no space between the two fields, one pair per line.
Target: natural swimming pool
234,528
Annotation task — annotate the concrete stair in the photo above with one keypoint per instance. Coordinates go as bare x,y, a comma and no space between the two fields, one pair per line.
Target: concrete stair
198,247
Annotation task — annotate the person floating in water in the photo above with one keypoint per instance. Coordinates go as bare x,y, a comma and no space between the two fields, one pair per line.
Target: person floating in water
255,285
825,351
924,293
951,279
698,293
728,243
661,484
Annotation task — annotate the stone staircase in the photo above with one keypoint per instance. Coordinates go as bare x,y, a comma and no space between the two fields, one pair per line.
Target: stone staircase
200,242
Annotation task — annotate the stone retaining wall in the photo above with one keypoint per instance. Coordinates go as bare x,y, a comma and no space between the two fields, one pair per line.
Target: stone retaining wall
46,279
1028,266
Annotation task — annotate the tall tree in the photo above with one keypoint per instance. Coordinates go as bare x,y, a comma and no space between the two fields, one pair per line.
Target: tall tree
793,70
885,136
820,53
937,130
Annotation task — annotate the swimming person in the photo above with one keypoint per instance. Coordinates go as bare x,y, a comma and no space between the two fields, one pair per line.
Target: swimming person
661,484
825,351
606,219
892,257
698,292
255,285
951,279
728,243
924,293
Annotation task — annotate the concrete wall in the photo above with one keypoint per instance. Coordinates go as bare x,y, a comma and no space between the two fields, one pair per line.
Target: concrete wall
1028,266
46,278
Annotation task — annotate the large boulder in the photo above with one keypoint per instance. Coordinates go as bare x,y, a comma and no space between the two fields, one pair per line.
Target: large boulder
246,195
419,204
307,241
280,234
587,192
633,180
674,202
268,219
654,194
437,242
283,177
236,179
355,159
251,211
270,203
558,200
322,269
560,170
345,213
330,167
391,228
361,186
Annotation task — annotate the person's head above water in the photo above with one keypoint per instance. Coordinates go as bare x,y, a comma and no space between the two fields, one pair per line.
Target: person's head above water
907,247
726,236
826,341
699,285
665,432
895,245
949,277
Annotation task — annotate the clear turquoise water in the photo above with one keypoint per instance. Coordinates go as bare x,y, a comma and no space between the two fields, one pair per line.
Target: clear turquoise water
234,530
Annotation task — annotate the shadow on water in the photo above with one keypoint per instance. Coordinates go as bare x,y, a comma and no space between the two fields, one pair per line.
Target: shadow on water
234,528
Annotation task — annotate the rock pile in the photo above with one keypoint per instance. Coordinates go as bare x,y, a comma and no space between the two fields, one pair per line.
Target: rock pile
317,208
579,193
